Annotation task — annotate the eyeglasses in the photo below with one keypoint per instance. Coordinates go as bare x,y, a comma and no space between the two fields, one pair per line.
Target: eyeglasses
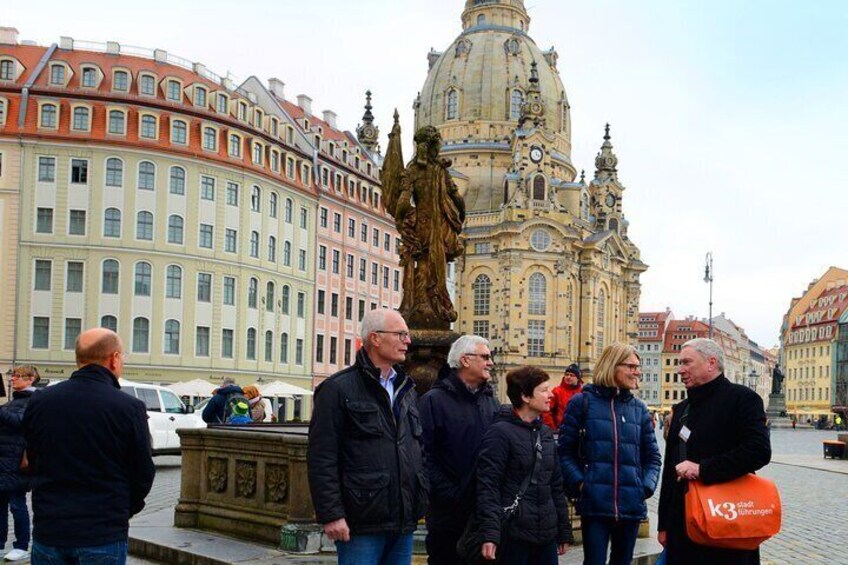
403,336
483,356
631,366
18,376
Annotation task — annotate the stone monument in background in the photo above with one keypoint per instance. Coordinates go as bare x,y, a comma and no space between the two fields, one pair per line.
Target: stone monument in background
429,213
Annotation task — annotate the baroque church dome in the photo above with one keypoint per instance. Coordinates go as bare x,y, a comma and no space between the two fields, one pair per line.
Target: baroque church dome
475,90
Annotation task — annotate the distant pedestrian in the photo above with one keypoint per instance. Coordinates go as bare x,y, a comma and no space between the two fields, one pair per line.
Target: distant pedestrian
571,384
455,414
516,444
610,459
366,472
88,444
215,411
257,403
794,423
721,429
14,483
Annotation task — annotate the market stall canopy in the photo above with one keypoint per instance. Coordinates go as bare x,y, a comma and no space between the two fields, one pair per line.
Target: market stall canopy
280,389
197,387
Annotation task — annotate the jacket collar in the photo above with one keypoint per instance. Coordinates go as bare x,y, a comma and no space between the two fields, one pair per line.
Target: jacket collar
451,383
507,413
699,393
365,365
96,373
621,394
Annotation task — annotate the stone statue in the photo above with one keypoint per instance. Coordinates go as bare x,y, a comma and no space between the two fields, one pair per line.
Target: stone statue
776,380
429,213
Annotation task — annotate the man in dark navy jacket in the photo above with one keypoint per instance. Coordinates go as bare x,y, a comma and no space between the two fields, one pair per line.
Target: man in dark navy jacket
455,414
89,448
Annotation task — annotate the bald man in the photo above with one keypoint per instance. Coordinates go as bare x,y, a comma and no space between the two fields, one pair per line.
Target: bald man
89,449
364,457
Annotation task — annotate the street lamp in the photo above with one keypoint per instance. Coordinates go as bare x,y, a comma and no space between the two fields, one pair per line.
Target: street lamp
708,278
753,377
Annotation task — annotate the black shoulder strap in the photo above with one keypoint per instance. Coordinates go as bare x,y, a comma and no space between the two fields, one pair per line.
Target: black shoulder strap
684,418
537,459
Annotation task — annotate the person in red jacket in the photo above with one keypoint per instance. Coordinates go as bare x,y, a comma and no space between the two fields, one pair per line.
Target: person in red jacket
571,384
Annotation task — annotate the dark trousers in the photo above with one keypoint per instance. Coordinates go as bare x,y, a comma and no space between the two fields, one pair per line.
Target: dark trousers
516,552
602,533
441,547
16,502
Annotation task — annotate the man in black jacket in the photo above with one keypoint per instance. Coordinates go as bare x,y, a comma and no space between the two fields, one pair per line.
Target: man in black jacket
455,414
364,456
215,411
723,428
89,447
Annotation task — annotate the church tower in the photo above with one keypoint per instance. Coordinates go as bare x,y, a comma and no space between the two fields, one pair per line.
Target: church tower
367,133
549,275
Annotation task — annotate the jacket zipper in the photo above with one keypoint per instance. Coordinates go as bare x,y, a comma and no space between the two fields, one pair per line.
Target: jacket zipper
615,458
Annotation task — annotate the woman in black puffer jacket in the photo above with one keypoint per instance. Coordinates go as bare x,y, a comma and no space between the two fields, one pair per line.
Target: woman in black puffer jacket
13,483
540,529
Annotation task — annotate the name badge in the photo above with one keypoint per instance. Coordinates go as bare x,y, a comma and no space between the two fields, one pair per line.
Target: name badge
685,433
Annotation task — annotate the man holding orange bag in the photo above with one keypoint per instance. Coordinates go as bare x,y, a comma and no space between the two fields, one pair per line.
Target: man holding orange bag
716,435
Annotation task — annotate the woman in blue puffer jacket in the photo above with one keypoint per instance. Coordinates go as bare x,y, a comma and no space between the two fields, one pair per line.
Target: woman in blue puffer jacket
609,457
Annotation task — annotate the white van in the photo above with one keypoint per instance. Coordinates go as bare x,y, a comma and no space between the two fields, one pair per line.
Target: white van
166,413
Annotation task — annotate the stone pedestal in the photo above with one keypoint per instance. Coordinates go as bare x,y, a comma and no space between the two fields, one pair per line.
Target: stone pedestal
426,356
776,411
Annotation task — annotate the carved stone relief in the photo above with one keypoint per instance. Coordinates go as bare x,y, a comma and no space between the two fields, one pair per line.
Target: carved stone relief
216,474
276,483
245,478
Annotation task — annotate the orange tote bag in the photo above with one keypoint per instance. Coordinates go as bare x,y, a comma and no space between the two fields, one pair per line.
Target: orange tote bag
739,514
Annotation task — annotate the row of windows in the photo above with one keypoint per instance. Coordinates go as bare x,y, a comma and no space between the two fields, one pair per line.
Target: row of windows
802,394
809,372
180,131
171,339
514,103
143,283
350,267
323,222
321,306
355,189
807,352
537,296
333,351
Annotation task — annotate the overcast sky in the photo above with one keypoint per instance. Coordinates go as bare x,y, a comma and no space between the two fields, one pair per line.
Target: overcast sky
729,118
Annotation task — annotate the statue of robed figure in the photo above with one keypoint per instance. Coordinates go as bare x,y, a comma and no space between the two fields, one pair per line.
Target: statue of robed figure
429,213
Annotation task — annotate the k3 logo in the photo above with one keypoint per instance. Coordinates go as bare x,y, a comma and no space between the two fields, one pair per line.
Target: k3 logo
726,510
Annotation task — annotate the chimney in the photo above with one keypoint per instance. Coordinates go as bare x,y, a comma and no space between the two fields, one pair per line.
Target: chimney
8,36
330,118
277,88
305,102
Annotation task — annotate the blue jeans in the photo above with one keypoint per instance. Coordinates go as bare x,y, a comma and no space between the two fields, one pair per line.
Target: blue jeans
374,549
114,553
16,500
600,533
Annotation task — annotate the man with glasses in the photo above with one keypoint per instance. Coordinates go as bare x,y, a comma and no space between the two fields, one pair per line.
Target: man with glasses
364,456
88,445
455,414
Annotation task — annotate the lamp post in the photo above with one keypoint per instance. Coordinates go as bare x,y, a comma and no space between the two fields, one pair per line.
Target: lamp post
753,377
708,278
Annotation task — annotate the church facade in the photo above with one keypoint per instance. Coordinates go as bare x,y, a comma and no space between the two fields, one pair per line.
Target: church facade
549,276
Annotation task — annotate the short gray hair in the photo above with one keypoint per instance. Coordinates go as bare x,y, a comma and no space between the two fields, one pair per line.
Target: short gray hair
227,381
707,348
463,346
373,321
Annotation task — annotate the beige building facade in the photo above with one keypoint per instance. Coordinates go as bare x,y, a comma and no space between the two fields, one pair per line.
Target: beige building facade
549,275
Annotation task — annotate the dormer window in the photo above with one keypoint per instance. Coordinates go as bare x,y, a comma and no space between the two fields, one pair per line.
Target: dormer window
344,156
149,125
7,69
117,122
57,74
174,91
242,111
305,124
332,149
257,153
89,77
318,142
221,103
290,135
210,139
49,116
179,132
235,145
199,96
147,85
274,126
121,81
257,118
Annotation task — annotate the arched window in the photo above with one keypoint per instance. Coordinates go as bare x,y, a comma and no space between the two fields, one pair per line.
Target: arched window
613,224
452,105
285,299
272,205
141,335
252,291
148,127
538,287
272,249
254,243
482,288
177,181
210,139
539,187
179,132
288,210
114,172
255,198
81,118
516,101
269,296
174,282
602,316
269,346
144,226
112,223
146,175
143,272
172,337
251,344
48,116
109,322
117,122
287,254
175,229
481,19
284,347
110,277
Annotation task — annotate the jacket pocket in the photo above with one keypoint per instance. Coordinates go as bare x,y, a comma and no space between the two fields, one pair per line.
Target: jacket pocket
364,418
366,497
